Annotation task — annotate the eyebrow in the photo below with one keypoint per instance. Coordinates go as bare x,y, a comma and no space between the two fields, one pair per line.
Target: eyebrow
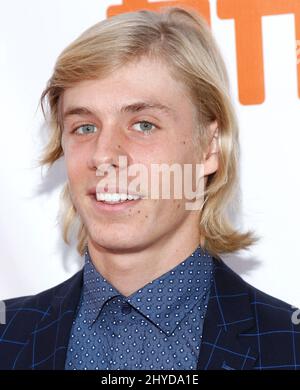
134,107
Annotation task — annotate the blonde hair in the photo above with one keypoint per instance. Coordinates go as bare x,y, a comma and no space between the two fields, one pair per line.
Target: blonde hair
180,38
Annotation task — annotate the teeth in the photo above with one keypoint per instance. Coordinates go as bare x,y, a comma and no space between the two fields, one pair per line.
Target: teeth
115,197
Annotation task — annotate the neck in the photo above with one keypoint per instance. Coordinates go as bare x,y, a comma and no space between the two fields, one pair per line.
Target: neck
128,270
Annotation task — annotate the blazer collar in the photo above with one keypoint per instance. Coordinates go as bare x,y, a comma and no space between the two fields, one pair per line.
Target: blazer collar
228,316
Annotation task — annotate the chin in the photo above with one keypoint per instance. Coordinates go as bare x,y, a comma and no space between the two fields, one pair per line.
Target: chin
116,242
108,237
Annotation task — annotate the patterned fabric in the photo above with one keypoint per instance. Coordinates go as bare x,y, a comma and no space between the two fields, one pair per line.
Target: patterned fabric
243,328
157,327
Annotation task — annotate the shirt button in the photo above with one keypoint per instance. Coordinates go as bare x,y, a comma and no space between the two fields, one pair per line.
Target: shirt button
126,308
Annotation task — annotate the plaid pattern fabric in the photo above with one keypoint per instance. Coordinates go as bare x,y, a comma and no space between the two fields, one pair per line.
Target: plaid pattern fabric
243,329
246,328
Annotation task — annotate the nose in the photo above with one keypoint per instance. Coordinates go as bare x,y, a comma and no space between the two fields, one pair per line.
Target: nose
109,146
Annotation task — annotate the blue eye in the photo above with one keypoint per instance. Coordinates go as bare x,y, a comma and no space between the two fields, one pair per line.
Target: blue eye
85,129
146,127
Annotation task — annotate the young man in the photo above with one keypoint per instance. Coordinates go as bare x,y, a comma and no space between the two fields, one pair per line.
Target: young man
133,91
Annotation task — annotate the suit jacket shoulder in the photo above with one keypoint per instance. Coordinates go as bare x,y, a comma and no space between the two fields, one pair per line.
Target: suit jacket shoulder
247,329
271,308
27,316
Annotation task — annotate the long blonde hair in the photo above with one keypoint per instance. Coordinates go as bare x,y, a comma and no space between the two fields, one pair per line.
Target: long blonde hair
182,39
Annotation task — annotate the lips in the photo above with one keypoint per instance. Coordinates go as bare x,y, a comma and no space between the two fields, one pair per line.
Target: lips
112,204
112,207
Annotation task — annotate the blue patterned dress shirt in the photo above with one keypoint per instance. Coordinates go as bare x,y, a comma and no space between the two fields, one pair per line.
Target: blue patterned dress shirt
159,327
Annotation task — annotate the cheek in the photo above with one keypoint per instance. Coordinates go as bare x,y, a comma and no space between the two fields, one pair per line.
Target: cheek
181,151
170,212
75,164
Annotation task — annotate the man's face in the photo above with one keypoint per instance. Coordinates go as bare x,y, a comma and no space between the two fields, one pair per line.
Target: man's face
111,133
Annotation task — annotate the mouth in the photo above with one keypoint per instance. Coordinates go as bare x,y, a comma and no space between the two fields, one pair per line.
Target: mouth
114,201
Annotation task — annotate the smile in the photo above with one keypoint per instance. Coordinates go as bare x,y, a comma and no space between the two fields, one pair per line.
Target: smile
113,198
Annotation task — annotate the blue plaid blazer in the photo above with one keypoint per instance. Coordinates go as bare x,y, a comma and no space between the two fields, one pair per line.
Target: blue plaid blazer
244,328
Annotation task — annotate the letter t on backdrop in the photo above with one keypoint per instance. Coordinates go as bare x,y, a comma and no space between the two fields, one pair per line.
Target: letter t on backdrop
247,16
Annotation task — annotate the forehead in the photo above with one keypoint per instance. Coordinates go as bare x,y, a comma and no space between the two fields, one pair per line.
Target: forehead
145,84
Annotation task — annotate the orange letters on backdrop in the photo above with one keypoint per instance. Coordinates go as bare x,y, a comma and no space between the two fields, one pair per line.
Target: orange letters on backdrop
247,15
248,34
202,6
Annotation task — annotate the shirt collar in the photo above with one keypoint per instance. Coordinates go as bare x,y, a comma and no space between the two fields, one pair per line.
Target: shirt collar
174,294
165,301
96,290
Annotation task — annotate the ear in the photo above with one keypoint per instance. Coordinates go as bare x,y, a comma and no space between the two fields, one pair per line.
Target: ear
211,155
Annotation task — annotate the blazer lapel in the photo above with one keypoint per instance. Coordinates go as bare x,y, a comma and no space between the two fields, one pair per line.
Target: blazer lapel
47,346
228,316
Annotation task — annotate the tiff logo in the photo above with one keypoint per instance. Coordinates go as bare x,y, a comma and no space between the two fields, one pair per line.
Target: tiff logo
2,313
